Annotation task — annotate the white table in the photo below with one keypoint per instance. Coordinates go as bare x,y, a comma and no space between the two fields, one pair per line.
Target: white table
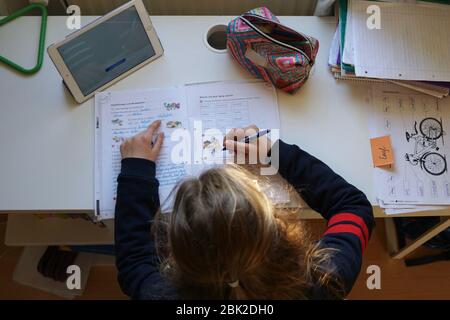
47,139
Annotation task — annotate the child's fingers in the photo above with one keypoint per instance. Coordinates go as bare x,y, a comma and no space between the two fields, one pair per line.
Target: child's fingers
239,134
229,135
151,129
234,134
231,145
252,148
157,146
251,130
239,147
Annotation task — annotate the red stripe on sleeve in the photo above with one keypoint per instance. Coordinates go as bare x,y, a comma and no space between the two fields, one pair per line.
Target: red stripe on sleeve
348,228
351,217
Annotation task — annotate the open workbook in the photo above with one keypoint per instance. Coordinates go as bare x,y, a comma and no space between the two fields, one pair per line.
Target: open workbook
189,113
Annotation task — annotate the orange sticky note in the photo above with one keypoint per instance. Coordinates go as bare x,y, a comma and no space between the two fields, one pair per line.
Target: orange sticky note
382,151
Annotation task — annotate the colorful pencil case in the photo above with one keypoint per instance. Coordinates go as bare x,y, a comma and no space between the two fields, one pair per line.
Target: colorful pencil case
270,50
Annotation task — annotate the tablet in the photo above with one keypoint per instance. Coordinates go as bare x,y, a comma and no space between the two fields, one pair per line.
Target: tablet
106,50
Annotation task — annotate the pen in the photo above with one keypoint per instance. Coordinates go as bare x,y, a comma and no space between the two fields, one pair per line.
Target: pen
253,137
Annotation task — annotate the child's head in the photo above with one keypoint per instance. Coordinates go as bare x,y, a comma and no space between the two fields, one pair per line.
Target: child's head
224,239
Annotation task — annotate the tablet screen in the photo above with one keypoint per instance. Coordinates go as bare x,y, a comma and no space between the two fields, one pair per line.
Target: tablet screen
106,51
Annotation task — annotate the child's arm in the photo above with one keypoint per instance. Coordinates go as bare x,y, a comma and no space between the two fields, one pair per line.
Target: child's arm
349,213
136,204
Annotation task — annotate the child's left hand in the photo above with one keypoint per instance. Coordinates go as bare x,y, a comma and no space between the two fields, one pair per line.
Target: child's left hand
141,146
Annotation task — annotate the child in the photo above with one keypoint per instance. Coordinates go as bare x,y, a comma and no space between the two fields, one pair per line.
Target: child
225,240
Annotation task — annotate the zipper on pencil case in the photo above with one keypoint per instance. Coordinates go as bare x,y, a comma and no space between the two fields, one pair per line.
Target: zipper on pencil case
271,21
274,40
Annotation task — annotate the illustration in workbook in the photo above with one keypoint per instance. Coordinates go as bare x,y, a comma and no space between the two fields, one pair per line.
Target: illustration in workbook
426,143
418,125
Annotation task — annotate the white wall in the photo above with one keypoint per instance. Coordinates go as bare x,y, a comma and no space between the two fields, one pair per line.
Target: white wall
178,7
205,7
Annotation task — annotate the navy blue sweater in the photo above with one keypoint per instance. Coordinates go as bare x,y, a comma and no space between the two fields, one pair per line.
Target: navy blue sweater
349,215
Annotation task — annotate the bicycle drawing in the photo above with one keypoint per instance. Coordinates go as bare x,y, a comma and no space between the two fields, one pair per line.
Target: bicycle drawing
426,146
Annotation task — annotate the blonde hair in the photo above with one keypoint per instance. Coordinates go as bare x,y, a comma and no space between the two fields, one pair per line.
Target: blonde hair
224,231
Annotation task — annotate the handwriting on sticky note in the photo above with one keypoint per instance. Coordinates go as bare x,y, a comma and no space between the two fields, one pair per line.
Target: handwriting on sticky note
382,151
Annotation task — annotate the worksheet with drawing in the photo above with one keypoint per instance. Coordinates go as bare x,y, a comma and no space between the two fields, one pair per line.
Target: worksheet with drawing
226,105
219,105
418,125
120,115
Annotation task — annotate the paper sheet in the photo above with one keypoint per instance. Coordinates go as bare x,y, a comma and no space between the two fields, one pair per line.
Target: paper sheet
227,105
123,114
418,125
412,44
348,52
219,105
333,57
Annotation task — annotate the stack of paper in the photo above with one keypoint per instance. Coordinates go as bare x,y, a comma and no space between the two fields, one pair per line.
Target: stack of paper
418,126
411,47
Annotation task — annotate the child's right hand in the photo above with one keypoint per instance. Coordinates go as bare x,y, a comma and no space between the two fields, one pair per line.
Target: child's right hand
232,141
